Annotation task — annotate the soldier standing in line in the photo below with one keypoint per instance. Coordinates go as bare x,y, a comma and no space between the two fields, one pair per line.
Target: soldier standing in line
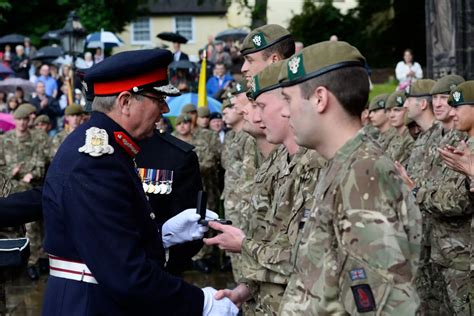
73,115
25,166
400,147
359,249
379,119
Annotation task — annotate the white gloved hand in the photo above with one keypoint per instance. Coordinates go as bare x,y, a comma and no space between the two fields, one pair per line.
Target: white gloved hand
184,227
213,307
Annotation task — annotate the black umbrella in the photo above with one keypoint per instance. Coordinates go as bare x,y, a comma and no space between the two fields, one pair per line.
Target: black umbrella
52,35
12,39
172,37
48,52
181,64
232,34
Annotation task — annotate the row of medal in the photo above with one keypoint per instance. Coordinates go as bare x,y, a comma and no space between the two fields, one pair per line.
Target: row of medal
156,181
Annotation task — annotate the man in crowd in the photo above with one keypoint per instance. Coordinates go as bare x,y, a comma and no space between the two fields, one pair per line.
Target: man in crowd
50,84
46,104
219,81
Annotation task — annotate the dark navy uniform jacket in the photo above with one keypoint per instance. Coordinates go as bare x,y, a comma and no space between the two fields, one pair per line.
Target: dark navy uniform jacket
96,212
183,161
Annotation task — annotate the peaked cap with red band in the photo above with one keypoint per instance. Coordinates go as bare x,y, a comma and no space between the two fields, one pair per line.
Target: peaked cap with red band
136,71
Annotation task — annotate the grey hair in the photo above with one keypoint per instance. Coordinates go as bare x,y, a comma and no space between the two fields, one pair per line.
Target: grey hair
106,104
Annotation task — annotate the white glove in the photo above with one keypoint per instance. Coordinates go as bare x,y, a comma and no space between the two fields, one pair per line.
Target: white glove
184,227
213,307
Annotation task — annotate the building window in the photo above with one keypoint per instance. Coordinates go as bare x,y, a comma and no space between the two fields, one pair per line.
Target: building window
184,25
141,31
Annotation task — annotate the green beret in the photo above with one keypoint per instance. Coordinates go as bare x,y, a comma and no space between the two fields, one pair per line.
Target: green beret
420,88
378,102
240,87
29,107
188,108
43,118
266,80
395,100
446,84
462,94
263,37
22,112
74,109
226,104
319,59
203,111
181,119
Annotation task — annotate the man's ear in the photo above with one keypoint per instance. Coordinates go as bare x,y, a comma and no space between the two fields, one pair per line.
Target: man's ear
321,99
423,104
124,102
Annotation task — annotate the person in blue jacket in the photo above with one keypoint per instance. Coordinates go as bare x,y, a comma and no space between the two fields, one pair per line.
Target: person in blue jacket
100,231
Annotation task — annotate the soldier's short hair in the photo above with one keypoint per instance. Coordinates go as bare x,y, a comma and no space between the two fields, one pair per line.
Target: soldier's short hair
284,49
428,99
352,94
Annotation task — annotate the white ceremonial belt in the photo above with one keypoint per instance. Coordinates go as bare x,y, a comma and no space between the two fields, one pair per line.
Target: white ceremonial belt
70,269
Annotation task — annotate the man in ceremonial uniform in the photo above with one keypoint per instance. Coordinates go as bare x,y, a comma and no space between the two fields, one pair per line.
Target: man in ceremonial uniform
105,248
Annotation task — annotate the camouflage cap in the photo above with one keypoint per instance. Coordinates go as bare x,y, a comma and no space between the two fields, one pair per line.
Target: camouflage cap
24,111
378,102
319,59
226,104
266,80
74,109
181,119
446,84
240,87
263,37
43,118
188,108
463,94
203,111
395,100
420,88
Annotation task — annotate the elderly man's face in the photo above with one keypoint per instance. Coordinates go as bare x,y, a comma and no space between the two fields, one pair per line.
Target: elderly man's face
144,112
44,71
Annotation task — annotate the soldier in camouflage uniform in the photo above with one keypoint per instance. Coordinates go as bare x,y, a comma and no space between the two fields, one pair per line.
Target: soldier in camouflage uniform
25,166
400,147
444,195
73,115
358,251
42,136
5,188
378,115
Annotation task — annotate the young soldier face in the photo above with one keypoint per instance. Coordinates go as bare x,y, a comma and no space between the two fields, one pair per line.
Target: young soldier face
302,116
183,128
21,125
270,107
397,117
463,117
441,108
253,64
378,117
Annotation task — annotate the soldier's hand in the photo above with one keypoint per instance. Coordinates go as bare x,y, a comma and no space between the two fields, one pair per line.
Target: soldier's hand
404,175
16,169
27,178
458,158
229,239
238,295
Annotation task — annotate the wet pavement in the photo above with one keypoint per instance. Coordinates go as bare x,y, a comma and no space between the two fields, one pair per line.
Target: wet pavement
24,297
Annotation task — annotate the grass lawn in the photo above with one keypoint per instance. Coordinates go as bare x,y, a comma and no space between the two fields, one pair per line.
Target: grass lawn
387,87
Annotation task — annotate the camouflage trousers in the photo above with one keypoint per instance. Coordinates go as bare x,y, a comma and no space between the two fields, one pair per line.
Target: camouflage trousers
269,298
35,233
458,288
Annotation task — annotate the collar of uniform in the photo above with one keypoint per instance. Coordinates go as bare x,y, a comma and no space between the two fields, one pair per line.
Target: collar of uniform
350,146
113,129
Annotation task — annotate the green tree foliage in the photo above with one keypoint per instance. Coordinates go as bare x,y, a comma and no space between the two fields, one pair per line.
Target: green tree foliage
381,29
35,17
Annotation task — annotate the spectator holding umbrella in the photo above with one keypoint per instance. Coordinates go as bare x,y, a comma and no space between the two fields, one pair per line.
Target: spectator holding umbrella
12,103
21,63
7,55
99,55
178,54
20,95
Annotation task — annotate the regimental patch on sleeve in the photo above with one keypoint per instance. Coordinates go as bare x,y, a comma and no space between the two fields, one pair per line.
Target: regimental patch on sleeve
363,297
357,274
